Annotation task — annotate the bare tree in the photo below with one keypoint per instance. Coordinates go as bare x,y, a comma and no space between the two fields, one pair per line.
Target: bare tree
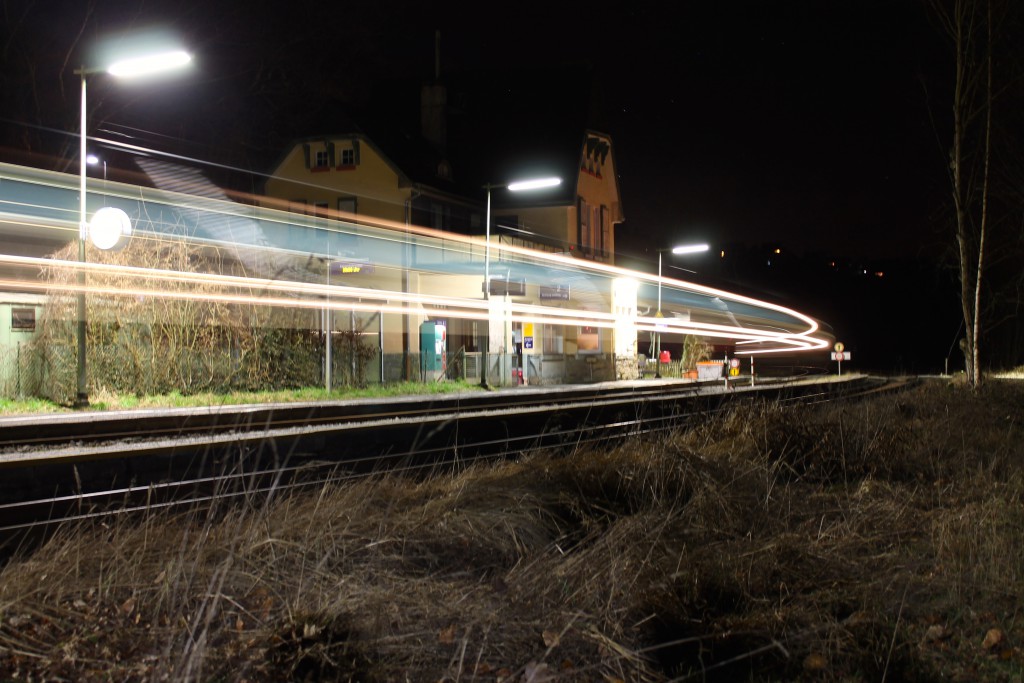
969,24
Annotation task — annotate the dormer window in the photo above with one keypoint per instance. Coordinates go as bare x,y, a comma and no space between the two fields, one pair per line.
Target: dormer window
319,156
348,155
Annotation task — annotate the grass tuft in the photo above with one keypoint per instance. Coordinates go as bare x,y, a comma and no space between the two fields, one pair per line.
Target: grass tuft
102,400
879,540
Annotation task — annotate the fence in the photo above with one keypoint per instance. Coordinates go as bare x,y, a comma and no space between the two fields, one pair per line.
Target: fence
138,360
135,362
20,371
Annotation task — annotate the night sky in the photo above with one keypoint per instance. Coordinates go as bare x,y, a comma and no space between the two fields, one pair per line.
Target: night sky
799,123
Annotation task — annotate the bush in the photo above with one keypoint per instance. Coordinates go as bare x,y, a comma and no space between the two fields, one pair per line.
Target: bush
185,336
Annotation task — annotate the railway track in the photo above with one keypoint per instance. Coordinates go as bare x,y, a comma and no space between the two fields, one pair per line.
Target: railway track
85,466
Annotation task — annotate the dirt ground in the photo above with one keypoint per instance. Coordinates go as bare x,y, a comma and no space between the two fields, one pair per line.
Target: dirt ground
869,541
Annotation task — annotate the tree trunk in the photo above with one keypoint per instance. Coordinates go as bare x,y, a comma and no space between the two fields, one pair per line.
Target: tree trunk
982,229
971,230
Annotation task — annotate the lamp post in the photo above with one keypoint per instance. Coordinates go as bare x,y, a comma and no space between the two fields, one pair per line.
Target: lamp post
127,68
681,249
329,331
517,186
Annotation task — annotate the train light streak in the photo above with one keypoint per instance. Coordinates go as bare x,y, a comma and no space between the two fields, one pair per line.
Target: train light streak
177,284
260,241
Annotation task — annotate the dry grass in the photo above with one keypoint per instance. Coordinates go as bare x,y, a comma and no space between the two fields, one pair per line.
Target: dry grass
877,541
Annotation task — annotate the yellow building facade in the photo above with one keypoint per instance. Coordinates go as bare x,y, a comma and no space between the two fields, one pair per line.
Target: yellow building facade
349,178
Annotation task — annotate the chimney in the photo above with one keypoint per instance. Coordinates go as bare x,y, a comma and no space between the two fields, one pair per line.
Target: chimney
433,104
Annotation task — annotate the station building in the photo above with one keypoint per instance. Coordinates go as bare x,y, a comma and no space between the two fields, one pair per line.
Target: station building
394,179
423,199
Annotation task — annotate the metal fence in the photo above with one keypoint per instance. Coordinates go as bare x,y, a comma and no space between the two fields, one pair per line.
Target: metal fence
20,371
294,361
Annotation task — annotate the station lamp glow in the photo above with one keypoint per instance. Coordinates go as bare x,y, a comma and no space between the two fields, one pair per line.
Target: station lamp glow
149,64
130,68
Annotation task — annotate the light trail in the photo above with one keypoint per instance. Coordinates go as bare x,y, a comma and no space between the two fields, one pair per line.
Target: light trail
315,296
748,331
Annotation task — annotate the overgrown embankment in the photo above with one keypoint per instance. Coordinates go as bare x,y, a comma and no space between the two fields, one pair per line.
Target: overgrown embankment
879,540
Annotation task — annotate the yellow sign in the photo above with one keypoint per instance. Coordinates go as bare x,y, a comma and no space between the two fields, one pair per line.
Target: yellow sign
839,347
734,372
527,329
356,267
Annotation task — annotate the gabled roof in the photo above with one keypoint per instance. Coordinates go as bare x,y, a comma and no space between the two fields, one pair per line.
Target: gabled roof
511,125
501,126
354,134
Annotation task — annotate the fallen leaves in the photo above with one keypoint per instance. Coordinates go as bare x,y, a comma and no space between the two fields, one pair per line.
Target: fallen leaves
936,633
446,636
537,673
994,638
815,662
551,639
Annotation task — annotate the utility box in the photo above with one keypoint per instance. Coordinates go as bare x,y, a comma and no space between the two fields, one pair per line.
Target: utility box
708,370
433,350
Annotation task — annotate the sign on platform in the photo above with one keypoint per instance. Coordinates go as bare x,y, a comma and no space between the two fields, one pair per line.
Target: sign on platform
555,292
353,267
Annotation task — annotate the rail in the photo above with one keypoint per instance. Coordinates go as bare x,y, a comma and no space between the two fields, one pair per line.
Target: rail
204,469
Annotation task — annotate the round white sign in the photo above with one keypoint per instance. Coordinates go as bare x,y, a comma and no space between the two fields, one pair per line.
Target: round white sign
110,228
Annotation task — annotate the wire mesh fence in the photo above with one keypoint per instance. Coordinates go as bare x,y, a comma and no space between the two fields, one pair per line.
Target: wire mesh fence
20,371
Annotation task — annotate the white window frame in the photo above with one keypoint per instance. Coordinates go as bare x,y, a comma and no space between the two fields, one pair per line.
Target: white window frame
553,339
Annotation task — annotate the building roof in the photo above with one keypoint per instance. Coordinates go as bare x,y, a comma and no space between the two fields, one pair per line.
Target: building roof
501,126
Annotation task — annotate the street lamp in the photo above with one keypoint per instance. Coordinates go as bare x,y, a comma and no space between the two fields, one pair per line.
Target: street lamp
93,160
517,186
126,68
681,249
